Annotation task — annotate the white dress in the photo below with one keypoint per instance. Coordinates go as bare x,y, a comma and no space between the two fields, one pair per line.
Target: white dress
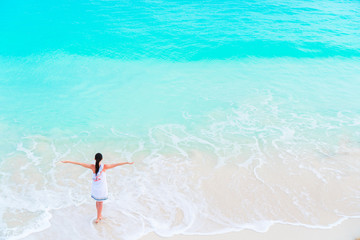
99,190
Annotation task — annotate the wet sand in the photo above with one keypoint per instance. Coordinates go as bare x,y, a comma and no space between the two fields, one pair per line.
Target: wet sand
347,230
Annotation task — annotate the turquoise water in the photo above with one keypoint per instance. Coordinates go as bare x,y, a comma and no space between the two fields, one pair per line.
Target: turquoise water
181,30
178,86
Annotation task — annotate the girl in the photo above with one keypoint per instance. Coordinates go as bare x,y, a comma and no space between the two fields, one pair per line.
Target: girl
99,190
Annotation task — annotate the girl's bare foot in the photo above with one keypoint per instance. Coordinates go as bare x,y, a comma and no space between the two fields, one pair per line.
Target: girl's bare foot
97,220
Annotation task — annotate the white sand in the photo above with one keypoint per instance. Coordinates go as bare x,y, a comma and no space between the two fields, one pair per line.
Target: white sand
347,230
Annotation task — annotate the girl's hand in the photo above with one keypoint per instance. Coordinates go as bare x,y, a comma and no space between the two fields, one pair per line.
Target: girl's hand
64,161
130,162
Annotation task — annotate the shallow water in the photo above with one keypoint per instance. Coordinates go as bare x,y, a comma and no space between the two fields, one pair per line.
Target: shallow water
237,115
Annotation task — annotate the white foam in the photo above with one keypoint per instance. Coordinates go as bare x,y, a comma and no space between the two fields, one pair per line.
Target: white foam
42,223
260,134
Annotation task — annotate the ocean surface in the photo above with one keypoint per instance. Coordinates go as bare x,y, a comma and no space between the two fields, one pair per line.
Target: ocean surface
237,114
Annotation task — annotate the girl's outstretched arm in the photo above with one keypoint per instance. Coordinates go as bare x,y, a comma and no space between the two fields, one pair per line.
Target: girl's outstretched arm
108,166
77,163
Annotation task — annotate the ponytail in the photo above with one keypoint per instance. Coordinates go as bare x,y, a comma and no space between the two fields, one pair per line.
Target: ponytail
98,158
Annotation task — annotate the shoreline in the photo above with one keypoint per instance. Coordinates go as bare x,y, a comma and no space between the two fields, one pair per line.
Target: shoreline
348,229
218,186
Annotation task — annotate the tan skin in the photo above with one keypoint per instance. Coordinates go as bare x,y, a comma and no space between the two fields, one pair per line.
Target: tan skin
99,204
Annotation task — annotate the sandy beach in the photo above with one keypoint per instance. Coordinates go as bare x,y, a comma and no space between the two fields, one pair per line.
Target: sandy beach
347,230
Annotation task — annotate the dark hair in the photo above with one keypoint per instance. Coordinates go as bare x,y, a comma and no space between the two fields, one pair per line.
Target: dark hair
98,158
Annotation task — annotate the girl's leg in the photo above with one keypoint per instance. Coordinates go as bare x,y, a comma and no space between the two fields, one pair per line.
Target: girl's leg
97,211
99,206
100,209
